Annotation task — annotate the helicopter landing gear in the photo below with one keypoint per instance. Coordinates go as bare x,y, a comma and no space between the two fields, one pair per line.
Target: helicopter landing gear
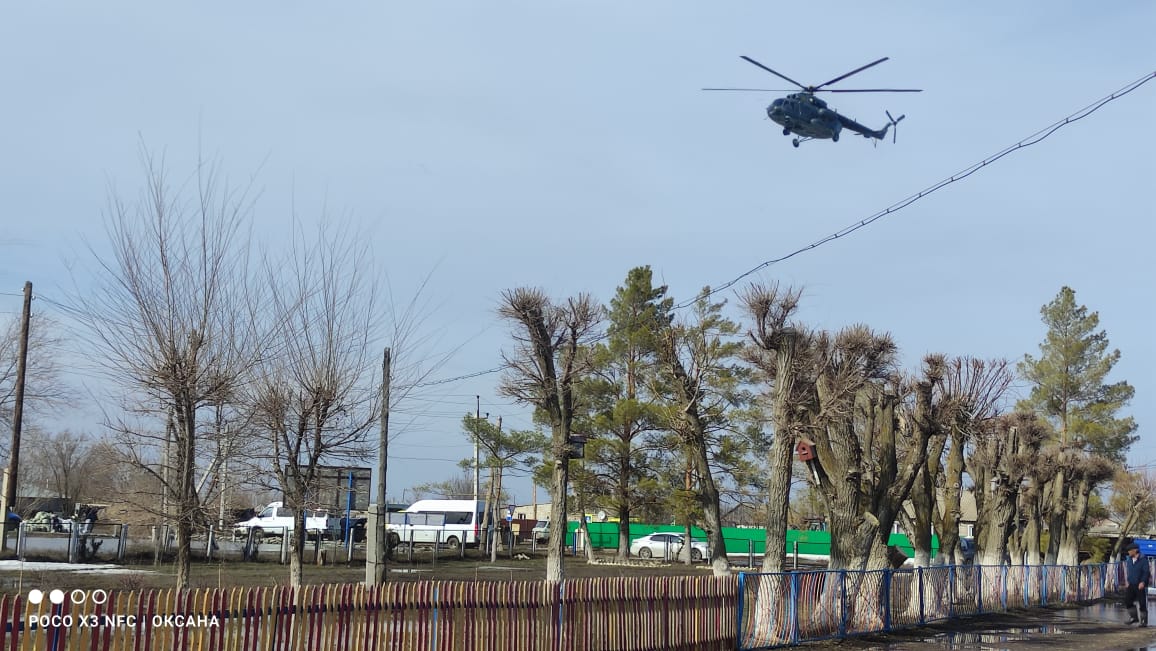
835,137
795,142
786,131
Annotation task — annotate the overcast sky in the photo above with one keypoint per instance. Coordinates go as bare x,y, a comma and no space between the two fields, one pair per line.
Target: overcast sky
559,144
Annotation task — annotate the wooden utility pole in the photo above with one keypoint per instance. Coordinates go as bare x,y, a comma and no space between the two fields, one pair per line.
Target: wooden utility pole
12,477
378,541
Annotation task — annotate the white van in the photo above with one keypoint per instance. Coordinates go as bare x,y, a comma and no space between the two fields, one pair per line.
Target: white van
448,522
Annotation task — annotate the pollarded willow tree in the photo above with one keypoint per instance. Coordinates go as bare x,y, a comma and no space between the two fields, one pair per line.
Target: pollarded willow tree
551,357
168,318
1002,458
1070,389
867,457
965,403
776,342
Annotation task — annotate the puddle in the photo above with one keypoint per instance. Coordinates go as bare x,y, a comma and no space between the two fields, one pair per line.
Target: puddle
1102,612
500,567
985,639
1064,623
405,570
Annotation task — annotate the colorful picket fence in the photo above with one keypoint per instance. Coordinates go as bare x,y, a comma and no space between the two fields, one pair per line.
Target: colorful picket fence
785,609
640,613
747,611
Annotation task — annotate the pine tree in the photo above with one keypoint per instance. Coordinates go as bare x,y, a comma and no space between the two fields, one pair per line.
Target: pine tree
622,455
1069,381
1089,440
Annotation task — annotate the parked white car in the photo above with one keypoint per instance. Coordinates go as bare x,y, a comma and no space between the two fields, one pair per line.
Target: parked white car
667,545
541,531
276,520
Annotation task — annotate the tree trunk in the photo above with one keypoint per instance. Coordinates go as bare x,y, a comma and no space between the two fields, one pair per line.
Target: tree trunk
996,526
1075,524
952,496
1030,539
582,535
1125,531
555,569
623,553
781,456
186,495
623,499
1056,509
923,503
496,539
297,539
708,497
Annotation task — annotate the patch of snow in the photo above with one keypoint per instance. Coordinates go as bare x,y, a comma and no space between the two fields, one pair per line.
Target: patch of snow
18,566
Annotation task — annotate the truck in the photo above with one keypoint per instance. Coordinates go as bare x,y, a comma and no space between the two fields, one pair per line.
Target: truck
276,520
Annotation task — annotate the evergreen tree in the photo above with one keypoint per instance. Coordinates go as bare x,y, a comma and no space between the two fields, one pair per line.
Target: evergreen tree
622,454
705,387
1069,385
1070,390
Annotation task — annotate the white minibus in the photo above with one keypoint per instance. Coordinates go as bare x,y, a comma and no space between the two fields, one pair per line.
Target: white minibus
449,522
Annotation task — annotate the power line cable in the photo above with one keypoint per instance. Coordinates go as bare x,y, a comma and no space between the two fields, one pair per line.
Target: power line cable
958,176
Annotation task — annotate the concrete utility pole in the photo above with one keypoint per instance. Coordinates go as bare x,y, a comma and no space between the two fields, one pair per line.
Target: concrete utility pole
477,451
12,476
377,546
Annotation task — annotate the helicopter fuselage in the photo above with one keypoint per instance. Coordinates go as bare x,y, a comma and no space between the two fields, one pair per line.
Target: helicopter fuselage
805,115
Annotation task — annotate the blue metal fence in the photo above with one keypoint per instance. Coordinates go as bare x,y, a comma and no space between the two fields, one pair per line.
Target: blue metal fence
792,607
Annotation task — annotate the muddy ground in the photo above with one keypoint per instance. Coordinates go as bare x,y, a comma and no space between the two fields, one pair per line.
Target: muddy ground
1095,627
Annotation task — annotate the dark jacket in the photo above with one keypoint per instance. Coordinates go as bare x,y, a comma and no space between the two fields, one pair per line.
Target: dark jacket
1138,571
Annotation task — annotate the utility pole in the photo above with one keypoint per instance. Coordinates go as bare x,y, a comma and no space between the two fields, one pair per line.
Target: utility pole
377,540
12,476
477,451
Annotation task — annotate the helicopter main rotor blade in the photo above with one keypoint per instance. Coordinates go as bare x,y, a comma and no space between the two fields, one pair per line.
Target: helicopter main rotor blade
780,75
870,90
856,70
755,90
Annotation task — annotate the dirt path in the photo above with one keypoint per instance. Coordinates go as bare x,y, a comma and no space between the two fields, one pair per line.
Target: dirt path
1098,627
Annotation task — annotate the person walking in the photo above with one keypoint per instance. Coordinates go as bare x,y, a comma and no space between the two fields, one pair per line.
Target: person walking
1139,575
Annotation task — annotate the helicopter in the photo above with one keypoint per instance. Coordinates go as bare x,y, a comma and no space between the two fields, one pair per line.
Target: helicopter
810,118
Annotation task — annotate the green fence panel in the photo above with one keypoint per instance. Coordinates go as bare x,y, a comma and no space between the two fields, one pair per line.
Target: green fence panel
604,535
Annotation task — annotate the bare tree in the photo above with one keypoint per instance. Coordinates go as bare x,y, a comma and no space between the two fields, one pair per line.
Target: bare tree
1131,504
44,387
313,392
62,466
776,341
551,355
867,457
1081,473
966,401
167,318
460,487
1000,464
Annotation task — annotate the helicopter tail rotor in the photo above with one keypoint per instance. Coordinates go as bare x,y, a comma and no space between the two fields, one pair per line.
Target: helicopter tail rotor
893,122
